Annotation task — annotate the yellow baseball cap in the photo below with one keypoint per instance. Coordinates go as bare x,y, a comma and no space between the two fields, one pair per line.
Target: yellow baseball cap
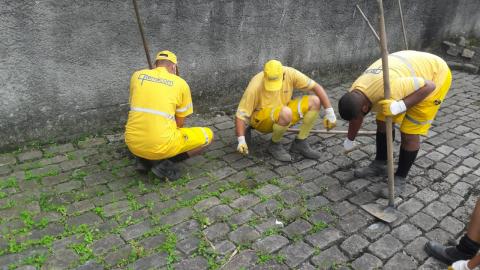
167,55
273,75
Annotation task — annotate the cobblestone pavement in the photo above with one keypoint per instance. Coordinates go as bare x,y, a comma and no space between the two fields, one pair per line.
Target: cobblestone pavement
81,205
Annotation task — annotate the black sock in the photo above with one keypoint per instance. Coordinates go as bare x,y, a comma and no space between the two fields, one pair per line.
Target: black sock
405,162
180,157
468,246
381,146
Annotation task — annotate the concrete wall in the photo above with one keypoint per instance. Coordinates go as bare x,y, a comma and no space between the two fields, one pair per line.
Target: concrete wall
65,65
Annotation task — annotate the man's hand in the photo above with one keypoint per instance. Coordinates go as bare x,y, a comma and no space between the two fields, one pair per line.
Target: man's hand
391,107
349,146
242,147
330,120
459,265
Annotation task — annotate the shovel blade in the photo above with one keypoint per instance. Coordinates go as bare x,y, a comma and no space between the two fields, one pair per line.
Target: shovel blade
387,214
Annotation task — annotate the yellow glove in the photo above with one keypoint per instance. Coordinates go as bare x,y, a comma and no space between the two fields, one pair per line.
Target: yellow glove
330,120
242,147
391,107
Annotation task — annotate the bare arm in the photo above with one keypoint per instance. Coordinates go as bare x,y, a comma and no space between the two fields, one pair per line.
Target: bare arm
180,121
239,127
353,127
419,95
322,95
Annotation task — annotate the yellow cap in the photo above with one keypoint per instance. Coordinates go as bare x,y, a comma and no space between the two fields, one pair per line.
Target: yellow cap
273,75
167,55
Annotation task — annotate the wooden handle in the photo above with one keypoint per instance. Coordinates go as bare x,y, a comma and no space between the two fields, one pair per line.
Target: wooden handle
144,40
386,86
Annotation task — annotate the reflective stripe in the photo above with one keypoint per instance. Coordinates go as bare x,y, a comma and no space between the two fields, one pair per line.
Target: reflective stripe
299,108
309,82
416,83
242,113
271,115
164,114
184,109
206,135
417,122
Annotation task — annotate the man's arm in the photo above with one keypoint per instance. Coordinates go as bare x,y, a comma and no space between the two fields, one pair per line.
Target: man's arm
239,127
420,94
180,121
392,107
322,95
354,126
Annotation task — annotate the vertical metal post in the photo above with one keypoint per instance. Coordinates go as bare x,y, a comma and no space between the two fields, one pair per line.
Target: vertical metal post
386,86
144,40
403,24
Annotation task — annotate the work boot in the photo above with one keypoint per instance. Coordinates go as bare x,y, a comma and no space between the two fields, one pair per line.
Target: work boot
278,152
166,169
375,168
400,184
445,254
302,147
142,165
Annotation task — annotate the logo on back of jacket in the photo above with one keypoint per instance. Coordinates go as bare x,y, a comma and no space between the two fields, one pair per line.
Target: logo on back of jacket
145,77
373,71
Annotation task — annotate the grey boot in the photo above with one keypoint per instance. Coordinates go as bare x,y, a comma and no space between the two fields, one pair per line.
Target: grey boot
400,184
376,168
302,147
278,152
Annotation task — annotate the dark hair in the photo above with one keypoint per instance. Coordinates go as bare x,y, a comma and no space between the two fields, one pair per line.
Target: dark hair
349,106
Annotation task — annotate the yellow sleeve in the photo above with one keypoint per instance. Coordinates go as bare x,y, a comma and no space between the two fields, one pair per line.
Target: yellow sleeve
403,87
248,102
184,106
302,81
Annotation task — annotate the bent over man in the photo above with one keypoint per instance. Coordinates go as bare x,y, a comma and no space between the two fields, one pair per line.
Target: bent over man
267,106
159,102
419,82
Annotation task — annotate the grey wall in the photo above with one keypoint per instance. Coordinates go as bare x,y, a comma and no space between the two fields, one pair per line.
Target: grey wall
65,65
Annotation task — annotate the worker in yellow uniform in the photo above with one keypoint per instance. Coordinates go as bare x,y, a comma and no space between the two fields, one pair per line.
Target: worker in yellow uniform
267,106
159,102
419,83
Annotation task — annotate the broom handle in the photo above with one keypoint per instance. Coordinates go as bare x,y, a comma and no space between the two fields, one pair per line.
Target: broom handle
386,86
144,40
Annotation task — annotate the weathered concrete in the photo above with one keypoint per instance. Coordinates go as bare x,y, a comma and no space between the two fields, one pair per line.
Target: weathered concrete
65,65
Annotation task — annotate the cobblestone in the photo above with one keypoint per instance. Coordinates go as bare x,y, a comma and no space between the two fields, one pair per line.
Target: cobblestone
270,215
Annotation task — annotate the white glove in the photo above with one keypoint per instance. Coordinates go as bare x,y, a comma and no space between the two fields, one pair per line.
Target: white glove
242,147
391,107
330,120
350,145
460,265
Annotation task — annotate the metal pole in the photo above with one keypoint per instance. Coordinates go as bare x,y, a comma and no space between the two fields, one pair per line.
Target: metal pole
386,85
368,22
324,131
403,24
144,40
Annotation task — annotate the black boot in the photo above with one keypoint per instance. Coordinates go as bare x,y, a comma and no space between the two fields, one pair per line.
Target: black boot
166,169
445,254
142,165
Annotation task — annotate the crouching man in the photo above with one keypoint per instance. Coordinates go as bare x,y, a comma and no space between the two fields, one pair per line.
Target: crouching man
159,102
267,106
